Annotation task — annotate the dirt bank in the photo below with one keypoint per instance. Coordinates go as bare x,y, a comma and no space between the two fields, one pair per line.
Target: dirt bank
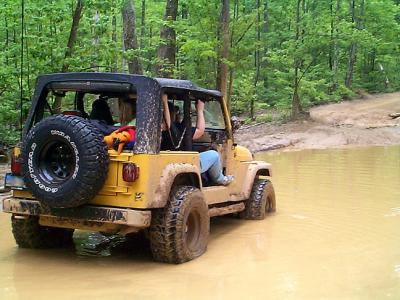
358,122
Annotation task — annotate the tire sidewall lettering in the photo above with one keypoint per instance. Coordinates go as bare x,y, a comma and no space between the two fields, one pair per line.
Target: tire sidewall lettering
31,170
32,155
45,138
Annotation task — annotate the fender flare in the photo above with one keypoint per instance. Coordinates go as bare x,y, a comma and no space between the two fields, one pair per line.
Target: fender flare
168,177
256,168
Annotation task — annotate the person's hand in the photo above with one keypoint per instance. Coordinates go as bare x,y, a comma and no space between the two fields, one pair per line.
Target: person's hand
200,106
201,125
167,116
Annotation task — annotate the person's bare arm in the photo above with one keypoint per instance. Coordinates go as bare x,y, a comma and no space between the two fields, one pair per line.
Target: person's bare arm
167,115
201,124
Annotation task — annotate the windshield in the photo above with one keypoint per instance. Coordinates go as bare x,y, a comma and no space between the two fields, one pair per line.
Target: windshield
213,115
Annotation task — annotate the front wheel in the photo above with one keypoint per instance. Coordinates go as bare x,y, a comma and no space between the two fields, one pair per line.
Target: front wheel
179,232
261,201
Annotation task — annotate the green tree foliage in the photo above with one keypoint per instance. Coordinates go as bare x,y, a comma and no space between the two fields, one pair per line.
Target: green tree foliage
322,49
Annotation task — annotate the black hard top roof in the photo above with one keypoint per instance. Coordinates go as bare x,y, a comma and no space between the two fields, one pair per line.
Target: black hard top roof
149,89
165,83
185,85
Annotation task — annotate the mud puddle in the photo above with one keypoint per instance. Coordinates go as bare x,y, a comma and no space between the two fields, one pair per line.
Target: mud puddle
335,236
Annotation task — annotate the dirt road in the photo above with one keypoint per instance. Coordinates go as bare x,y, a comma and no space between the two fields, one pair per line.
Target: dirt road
358,122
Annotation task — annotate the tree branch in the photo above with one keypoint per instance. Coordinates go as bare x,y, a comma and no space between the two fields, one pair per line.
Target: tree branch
308,67
244,33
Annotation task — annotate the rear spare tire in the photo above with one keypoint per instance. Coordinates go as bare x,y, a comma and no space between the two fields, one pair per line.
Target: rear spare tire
64,161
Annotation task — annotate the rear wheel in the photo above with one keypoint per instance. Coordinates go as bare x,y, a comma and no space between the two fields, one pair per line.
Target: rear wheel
261,201
180,231
28,233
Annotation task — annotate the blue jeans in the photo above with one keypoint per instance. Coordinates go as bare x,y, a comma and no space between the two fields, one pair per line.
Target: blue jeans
209,161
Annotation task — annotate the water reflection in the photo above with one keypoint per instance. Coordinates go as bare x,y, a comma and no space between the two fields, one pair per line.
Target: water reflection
96,244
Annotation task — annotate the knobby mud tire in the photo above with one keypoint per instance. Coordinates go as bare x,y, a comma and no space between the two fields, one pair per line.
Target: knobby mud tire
43,161
261,201
28,233
179,232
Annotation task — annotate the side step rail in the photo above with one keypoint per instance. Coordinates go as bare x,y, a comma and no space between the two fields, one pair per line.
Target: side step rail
224,210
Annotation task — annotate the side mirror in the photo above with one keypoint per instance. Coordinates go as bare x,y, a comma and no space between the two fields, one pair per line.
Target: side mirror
236,123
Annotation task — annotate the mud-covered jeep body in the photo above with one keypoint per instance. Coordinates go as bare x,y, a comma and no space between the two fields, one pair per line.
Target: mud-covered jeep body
65,184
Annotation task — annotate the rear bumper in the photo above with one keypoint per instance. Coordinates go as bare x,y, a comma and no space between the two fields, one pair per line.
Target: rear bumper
87,213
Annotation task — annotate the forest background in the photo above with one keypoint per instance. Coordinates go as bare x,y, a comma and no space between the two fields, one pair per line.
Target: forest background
264,55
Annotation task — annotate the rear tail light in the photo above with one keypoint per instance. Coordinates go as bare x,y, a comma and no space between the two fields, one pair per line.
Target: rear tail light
130,172
15,164
72,113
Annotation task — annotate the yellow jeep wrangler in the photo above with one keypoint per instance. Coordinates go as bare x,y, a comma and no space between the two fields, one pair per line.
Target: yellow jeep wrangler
63,176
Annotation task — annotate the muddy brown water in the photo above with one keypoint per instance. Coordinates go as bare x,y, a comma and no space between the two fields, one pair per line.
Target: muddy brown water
336,235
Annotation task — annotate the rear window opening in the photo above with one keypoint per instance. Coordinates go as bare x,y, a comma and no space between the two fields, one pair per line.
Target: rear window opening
105,107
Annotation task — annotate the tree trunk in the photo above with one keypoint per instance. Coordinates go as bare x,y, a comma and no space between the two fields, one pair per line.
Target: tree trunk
7,37
95,42
14,42
167,49
51,48
235,19
28,66
231,78
353,48
129,33
335,59
114,37
184,11
256,60
150,65
357,21
73,33
296,105
70,46
123,60
218,51
265,38
350,66
332,37
231,68
222,71
181,59
142,24
372,61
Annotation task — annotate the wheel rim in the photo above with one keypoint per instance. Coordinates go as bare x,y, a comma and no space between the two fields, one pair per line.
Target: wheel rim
57,162
192,230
